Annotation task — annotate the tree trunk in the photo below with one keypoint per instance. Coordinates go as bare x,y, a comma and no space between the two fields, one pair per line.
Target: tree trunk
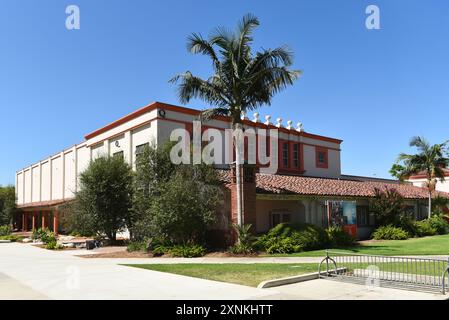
238,179
429,211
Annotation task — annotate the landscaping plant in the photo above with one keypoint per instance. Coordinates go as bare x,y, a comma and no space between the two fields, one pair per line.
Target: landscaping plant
390,233
424,228
5,230
187,251
293,237
245,240
104,201
338,237
7,204
438,223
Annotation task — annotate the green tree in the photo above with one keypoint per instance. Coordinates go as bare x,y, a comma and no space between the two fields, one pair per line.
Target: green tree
388,207
430,160
173,202
153,169
7,204
241,81
105,197
186,205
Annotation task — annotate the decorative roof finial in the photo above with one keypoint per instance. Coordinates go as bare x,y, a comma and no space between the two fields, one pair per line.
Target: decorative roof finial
267,119
289,124
299,127
256,117
243,113
279,122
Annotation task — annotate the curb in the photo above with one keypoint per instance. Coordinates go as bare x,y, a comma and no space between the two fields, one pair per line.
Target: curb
291,280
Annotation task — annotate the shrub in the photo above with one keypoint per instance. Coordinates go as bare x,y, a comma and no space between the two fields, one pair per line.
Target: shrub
49,237
439,224
54,245
338,237
245,243
12,238
137,246
424,228
187,251
309,236
159,250
282,245
390,233
293,237
240,249
5,230
40,234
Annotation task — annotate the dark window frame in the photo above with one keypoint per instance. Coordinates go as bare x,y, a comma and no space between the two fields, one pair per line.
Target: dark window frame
285,154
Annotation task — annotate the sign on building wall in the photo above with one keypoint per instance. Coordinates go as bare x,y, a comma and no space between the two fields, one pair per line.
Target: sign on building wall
344,214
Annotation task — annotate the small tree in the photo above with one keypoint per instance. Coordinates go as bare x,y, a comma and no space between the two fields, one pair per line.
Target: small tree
7,204
388,207
105,197
187,204
153,169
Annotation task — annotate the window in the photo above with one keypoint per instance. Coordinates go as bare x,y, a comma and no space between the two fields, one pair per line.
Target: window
285,154
364,218
296,156
321,157
280,217
140,149
118,154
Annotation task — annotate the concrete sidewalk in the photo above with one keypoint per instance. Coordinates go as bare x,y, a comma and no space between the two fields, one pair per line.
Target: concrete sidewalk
35,273
28,272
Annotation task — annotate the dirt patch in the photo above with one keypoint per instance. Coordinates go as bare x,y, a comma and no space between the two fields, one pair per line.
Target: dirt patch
141,254
227,254
118,254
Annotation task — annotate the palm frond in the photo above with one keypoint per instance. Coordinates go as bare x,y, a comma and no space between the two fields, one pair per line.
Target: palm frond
420,143
209,114
197,44
193,87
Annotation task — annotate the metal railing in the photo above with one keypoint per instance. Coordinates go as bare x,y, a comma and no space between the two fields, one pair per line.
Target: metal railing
423,274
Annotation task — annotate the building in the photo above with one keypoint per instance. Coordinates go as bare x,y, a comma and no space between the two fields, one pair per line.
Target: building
420,180
308,186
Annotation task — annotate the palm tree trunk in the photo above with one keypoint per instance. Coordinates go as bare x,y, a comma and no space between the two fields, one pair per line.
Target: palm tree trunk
238,178
429,211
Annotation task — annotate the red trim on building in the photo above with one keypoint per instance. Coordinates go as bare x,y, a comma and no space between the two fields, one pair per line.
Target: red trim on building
318,163
165,106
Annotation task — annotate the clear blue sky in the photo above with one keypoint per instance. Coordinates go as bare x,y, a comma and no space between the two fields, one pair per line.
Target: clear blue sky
372,88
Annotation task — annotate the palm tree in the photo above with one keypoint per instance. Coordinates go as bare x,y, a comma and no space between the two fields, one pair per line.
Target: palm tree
430,160
241,81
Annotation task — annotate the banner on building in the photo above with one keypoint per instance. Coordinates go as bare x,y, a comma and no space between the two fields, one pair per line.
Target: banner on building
344,214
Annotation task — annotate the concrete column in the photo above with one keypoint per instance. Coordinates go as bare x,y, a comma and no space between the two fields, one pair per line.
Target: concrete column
43,219
23,222
33,224
55,222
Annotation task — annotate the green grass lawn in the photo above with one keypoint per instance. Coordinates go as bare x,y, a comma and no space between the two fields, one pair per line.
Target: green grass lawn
239,273
435,245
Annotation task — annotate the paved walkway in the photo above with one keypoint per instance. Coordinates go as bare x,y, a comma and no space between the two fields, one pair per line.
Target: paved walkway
28,272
